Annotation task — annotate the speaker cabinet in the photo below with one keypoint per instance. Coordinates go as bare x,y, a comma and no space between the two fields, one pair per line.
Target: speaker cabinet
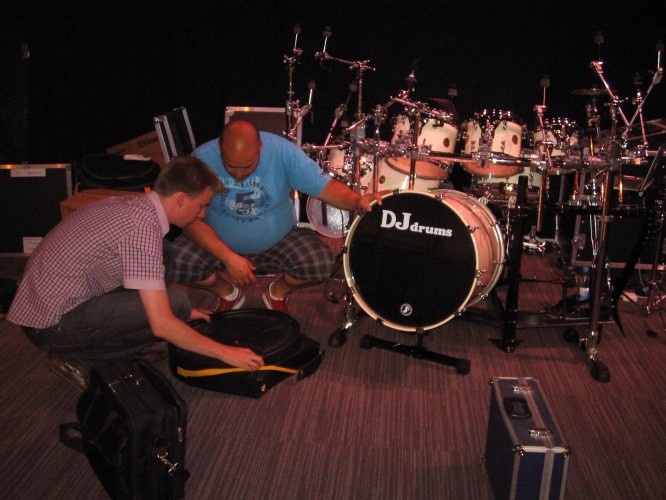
30,197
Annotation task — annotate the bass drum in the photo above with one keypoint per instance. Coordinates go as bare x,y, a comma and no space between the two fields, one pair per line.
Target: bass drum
418,259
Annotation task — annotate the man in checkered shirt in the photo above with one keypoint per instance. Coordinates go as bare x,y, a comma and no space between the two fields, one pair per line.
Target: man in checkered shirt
94,289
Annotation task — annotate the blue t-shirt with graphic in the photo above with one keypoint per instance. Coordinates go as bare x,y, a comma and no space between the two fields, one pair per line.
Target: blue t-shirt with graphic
253,215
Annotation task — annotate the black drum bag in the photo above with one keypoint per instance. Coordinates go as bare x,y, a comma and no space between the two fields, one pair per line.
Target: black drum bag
115,172
273,335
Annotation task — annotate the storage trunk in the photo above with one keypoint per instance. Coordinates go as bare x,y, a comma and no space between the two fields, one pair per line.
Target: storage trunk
526,454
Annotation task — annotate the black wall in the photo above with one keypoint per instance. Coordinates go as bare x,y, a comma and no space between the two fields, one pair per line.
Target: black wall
99,71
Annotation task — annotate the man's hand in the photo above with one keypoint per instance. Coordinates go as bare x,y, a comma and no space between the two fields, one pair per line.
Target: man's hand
242,358
203,314
365,200
241,271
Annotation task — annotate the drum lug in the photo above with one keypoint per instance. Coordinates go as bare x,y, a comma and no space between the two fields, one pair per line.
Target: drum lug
461,311
481,272
471,229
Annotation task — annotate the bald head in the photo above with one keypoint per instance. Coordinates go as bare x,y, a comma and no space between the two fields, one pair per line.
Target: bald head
238,135
240,147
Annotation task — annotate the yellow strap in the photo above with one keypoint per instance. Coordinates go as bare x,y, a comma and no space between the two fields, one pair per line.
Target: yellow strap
209,372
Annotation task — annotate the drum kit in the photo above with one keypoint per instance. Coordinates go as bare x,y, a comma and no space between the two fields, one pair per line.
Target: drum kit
427,232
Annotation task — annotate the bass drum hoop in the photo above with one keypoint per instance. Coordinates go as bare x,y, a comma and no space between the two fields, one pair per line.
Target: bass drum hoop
494,262
357,293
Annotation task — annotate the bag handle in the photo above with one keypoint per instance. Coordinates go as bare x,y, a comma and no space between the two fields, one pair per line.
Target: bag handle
73,442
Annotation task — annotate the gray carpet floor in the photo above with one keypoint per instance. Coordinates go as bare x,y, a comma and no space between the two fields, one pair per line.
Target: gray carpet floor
371,423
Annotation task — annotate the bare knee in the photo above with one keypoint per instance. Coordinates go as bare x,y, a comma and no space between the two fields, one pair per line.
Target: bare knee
208,282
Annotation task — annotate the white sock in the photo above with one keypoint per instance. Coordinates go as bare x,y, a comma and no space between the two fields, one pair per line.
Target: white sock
232,296
271,293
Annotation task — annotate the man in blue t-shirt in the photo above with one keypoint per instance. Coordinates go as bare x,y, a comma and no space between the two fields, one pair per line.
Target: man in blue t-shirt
253,224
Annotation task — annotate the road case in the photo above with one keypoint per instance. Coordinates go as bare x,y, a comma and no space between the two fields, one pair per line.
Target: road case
526,455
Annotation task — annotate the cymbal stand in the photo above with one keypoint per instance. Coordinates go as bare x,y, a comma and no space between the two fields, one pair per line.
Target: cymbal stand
358,129
656,79
653,302
590,341
416,132
339,113
547,147
615,101
379,116
292,105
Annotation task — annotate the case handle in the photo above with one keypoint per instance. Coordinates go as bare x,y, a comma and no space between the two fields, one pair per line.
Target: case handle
517,408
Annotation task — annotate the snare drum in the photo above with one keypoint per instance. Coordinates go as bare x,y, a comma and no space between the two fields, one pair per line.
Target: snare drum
418,259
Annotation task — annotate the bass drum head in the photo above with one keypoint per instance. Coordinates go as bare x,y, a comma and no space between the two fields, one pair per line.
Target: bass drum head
410,262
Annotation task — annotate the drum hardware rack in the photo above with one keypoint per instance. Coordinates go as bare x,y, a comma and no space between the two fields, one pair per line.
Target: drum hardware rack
508,317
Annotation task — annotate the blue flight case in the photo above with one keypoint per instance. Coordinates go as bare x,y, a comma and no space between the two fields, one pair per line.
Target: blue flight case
526,455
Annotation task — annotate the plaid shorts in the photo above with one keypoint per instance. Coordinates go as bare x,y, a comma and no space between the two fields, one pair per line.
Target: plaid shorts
302,254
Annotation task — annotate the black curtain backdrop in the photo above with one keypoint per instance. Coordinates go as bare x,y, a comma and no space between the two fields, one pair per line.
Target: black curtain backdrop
97,72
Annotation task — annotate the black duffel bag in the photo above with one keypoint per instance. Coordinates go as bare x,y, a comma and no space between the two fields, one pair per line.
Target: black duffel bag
132,427
115,172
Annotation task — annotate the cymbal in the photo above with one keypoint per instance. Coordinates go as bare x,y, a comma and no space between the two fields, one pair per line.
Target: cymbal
592,91
447,105
444,103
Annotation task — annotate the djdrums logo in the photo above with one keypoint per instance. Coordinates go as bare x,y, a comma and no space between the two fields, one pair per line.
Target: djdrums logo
406,309
390,220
